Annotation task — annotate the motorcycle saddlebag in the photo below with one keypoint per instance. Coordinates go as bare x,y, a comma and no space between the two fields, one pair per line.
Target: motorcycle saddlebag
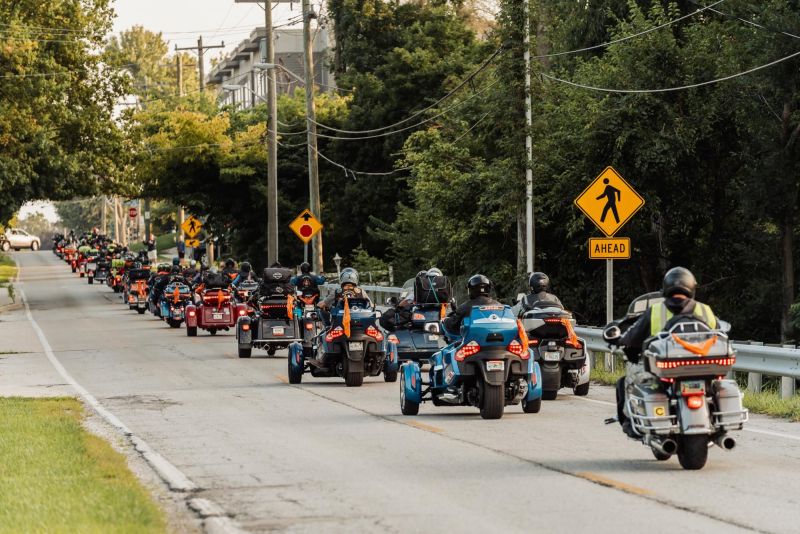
432,290
277,275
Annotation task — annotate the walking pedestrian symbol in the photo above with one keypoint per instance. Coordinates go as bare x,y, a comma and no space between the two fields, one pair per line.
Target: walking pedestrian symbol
191,226
609,201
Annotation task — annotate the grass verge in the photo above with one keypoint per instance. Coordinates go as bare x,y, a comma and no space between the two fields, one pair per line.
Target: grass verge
771,403
8,272
57,477
163,242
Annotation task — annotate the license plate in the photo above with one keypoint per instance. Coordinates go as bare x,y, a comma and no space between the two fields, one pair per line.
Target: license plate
355,345
550,356
92,266
495,365
693,386
216,316
277,330
433,337
178,315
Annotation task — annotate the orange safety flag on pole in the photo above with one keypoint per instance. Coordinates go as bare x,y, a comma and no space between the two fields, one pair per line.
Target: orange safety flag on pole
523,335
572,338
346,321
175,293
219,298
443,311
290,306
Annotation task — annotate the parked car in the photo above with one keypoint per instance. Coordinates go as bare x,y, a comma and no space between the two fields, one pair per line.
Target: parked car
17,239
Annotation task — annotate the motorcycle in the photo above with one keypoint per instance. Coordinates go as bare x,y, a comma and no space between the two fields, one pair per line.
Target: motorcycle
273,326
114,280
677,399
135,289
310,320
215,311
562,356
351,347
419,338
172,303
90,267
490,366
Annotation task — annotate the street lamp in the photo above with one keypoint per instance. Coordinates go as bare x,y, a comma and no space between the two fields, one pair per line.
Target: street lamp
338,261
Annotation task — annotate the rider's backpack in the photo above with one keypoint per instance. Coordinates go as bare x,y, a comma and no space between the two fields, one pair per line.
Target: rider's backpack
432,289
277,275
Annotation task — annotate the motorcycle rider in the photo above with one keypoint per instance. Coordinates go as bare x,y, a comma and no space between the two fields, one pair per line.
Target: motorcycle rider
540,295
245,273
399,315
229,269
479,288
307,283
348,282
678,289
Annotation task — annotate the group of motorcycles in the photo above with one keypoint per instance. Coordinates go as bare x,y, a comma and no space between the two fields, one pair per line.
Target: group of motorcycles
92,257
679,403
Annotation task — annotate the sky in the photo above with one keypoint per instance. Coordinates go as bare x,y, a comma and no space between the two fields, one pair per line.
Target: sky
182,21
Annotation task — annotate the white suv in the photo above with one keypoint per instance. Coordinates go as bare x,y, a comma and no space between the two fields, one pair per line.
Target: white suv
17,239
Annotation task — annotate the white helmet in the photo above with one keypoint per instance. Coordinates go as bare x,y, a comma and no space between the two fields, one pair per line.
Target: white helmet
348,276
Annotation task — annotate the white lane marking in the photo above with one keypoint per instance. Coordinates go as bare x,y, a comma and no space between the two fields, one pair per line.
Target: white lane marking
755,430
175,479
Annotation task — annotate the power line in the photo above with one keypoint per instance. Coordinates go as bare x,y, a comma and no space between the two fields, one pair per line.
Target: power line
464,82
628,37
750,22
429,119
350,172
671,89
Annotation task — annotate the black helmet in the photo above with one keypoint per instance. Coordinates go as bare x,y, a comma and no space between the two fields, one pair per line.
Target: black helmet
539,282
478,285
176,269
305,267
176,260
246,267
679,281
230,263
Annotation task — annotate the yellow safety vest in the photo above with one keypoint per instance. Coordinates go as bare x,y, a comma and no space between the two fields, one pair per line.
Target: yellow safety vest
659,315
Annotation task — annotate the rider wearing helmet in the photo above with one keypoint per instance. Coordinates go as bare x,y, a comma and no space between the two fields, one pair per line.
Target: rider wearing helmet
678,289
348,282
307,283
400,315
245,273
540,295
229,269
479,288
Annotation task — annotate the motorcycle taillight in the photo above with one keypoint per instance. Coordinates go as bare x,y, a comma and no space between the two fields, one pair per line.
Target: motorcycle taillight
334,334
515,347
374,333
467,350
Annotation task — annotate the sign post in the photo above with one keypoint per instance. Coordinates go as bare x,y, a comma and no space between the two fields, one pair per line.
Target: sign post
609,202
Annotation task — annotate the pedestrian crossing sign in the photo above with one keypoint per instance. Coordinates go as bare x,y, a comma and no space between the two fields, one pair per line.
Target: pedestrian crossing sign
191,226
609,202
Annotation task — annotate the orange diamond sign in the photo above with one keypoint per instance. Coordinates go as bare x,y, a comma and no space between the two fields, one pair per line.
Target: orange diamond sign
306,226
609,201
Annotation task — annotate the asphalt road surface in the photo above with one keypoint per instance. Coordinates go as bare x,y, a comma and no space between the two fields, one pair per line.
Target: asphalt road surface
322,457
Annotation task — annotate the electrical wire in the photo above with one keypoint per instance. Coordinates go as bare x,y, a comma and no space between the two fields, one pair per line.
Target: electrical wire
350,172
464,82
429,119
749,22
672,89
628,37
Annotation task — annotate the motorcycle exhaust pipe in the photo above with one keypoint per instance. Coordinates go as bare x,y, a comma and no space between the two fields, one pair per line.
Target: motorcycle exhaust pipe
725,442
666,446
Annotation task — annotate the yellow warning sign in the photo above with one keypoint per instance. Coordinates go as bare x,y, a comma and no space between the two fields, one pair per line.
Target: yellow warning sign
609,202
191,226
306,226
612,248
192,243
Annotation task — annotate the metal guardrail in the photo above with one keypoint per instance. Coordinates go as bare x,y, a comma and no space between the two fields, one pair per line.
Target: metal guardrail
775,361
378,294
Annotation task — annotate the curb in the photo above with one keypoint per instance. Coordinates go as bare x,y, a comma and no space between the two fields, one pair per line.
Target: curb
215,520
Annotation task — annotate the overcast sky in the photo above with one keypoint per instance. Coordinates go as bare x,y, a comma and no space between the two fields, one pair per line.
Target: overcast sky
182,21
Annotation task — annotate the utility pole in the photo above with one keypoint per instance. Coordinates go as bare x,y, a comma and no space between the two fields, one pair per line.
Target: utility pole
272,141
311,117
105,208
529,220
200,50
179,71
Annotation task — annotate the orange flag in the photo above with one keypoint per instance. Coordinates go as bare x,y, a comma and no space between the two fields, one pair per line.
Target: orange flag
175,295
346,321
523,335
290,306
443,311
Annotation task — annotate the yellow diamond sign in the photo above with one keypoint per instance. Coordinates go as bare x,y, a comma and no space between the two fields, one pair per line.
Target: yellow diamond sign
191,226
306,226
609,201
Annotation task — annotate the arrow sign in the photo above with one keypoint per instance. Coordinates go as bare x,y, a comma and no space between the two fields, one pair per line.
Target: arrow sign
306,226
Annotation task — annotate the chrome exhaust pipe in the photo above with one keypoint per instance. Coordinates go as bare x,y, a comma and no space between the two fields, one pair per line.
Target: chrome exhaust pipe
725,442
666,446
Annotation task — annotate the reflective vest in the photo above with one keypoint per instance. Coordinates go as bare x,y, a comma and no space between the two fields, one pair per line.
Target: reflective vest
659,315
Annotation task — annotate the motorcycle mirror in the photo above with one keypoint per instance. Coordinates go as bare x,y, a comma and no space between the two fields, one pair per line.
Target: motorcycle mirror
612,333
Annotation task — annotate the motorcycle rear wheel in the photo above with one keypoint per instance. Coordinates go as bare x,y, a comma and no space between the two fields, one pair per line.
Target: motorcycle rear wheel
191,331
492,401
549,394
245,353
581,390
531,406
90,280
141,311
352,379
693,452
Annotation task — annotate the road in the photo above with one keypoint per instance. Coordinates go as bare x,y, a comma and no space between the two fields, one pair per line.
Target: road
322,457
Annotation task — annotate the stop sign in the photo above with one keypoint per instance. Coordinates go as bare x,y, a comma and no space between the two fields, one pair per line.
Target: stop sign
132,212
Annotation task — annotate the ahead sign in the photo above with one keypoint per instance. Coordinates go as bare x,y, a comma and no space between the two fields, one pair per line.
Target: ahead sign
615,248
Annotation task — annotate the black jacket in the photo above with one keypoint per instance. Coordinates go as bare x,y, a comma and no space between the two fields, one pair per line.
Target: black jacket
633,338
454,319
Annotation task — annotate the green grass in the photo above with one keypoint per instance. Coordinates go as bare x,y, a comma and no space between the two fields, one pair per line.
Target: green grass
56,477
771,403
163,242
600,375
